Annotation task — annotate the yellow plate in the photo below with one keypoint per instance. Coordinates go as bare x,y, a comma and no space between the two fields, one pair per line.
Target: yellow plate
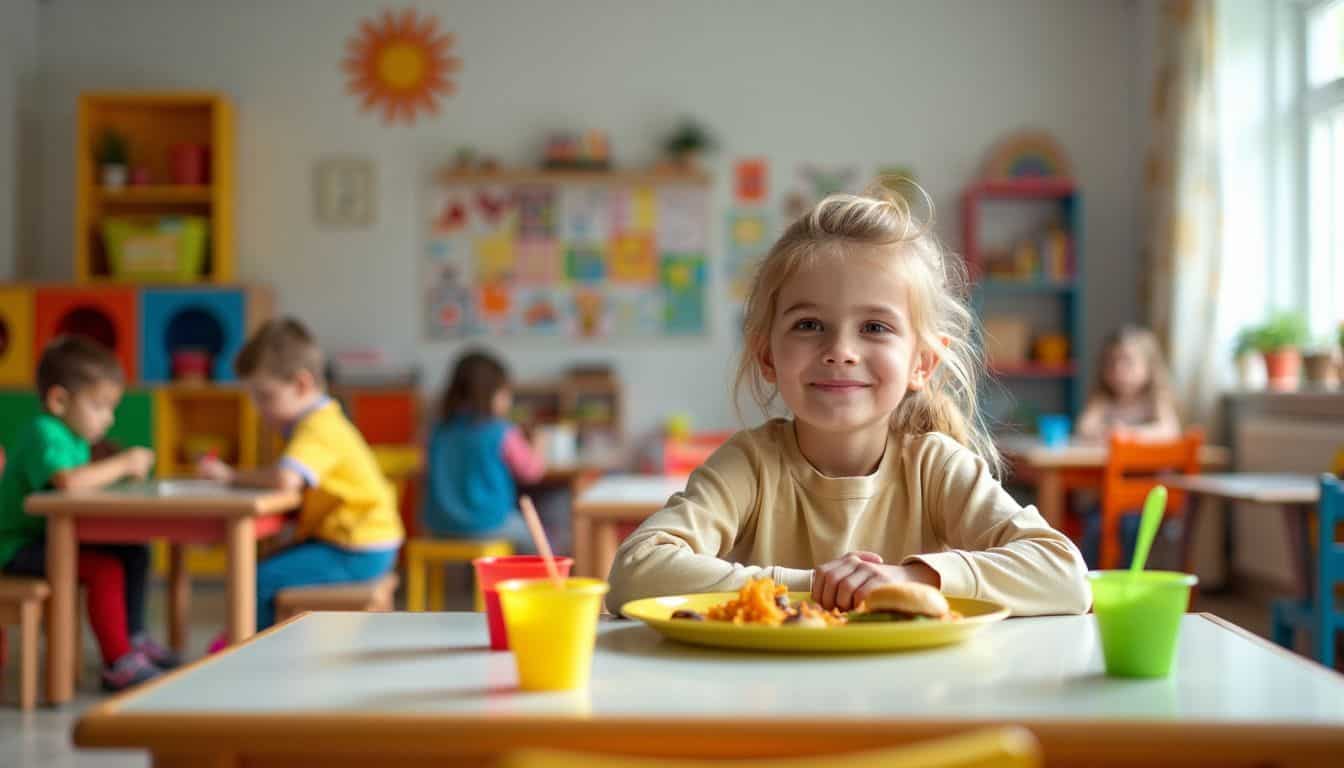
891,636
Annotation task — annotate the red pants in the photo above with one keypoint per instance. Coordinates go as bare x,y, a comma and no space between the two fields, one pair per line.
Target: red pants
102,575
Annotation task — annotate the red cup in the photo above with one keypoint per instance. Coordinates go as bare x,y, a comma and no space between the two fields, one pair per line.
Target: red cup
492,570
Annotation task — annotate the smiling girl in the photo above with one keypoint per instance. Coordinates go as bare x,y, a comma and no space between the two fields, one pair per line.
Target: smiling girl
857,322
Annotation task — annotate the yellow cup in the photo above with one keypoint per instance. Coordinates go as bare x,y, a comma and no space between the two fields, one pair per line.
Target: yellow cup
551,631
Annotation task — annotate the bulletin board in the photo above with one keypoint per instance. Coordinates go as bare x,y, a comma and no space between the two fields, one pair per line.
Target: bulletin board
574,257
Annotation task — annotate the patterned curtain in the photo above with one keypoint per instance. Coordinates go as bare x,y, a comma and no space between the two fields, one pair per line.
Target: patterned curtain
1182,249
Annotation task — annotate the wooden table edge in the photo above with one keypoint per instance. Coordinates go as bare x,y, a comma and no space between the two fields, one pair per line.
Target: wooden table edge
109,504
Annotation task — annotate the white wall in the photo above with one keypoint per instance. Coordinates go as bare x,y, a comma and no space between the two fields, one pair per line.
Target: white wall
18,68
929,84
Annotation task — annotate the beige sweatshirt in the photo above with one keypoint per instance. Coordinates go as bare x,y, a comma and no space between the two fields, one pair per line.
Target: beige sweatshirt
758,508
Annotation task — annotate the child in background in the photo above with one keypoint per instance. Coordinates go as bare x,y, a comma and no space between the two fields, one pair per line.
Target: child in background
857,321
1132,398
1132,392
477,457
79,384
348,527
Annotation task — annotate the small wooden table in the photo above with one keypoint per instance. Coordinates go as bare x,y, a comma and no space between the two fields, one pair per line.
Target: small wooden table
1076,464
422,689
1297,494
601,508
181,511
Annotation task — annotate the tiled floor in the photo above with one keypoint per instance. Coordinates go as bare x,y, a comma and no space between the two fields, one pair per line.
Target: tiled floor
42,738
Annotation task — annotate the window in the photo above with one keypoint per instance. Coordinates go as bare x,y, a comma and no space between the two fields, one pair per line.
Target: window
1321,96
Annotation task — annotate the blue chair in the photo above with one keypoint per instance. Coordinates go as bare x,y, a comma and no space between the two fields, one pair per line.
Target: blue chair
1322,616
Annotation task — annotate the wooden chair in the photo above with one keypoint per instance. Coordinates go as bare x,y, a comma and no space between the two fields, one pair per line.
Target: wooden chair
374,595
997,748
21,602
1132,470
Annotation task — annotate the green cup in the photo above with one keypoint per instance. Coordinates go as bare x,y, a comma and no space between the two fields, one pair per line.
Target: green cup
1139,616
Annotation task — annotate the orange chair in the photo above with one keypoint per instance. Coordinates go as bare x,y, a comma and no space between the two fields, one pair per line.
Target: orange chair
1132,470
682,456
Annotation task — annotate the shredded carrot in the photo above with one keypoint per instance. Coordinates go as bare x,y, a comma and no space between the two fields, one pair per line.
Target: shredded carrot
754,604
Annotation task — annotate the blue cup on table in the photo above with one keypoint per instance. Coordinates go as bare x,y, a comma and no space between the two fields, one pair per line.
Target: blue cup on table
1053,429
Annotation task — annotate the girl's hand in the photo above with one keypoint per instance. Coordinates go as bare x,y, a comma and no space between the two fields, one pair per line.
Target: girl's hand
846,582
210,468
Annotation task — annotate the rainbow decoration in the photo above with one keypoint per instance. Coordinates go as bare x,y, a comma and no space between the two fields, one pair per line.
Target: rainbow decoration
1027,155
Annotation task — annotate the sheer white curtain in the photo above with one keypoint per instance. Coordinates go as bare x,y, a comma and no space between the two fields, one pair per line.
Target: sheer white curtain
1184,257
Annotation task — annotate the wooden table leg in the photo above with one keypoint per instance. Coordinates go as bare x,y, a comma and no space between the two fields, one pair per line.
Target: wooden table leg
1050,497
242,578
581,530
604,546
62,572
179,596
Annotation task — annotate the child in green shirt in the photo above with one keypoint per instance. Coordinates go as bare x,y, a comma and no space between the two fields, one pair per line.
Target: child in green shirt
80,383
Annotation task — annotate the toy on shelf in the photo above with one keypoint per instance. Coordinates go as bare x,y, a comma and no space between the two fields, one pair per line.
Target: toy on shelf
185,138
591,152
1029,154
687,144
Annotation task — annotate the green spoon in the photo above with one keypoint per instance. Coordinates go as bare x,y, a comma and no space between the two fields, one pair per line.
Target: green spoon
1153,507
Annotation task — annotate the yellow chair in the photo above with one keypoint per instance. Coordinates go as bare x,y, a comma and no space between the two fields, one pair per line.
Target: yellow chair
996,748
425,559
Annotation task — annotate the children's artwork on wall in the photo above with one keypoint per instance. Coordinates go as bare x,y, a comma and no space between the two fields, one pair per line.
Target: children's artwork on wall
747,242
684,293
749,181
399,64
566,259
817,182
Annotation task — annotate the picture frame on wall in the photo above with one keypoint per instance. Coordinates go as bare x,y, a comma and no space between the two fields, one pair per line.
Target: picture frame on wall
343,192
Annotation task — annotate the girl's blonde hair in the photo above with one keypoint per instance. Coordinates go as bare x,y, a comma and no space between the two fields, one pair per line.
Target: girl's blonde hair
1158,388
939,314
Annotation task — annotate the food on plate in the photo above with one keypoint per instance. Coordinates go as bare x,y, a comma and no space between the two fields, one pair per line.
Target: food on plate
903,601
762,601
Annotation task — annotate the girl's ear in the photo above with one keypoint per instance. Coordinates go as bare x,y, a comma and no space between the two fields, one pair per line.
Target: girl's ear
766,361
922,367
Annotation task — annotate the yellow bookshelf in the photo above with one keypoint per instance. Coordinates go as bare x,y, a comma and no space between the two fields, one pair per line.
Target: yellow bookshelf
152,123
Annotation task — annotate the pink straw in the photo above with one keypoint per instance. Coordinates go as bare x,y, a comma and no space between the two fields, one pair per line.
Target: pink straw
539,538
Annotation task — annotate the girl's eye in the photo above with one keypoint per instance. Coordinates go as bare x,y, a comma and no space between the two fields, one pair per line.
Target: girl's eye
807,325
875,327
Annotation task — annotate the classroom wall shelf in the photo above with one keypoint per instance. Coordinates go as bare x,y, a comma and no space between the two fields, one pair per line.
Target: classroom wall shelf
1034,285
155,125
618,177
383,415
109,315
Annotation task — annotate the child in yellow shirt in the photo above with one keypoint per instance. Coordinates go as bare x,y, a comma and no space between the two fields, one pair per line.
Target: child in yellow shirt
857,321
348,528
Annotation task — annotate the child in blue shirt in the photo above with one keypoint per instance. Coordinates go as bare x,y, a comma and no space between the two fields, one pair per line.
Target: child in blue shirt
477,457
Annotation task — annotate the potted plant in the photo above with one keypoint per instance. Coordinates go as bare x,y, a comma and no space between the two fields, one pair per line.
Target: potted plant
1250,364
1280,341
687,143
1318,364
113,156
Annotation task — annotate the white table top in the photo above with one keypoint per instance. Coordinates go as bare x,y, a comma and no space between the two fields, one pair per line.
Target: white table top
652,490
1080,454
1245,486
437,664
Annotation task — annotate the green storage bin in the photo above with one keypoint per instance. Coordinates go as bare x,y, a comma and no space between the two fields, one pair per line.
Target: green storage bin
155,248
